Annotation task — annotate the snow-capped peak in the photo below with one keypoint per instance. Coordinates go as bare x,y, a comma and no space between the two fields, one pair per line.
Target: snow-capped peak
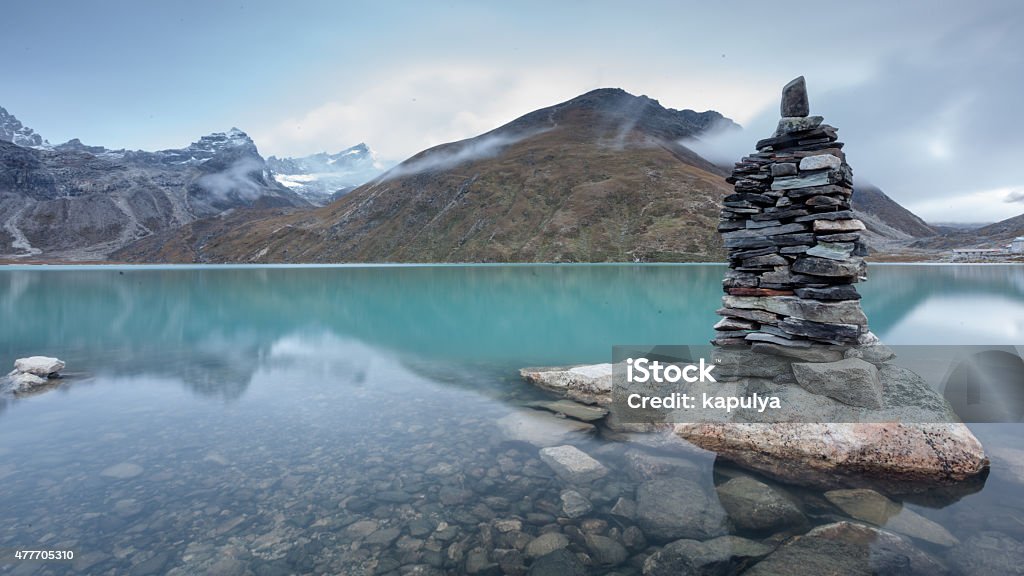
12,130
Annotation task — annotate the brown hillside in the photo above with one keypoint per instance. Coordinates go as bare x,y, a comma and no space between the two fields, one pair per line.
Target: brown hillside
600,178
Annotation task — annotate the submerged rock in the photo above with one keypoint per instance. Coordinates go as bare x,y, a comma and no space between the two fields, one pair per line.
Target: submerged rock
572,464
672,508
756,506
574,504
542,429
722,555
122,471
900,456
571,409
870,506
558,563
545,544
851,549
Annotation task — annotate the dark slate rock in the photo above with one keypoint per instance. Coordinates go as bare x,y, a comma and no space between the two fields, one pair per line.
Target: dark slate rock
784,169
826,267
794,99
838,215
840,292
821,330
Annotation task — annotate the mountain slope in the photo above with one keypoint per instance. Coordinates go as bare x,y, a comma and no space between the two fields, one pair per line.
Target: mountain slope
885,219
82,202
321,178
997,235
600,177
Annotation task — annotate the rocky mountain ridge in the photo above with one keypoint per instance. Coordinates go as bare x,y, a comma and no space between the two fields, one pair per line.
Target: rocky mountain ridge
12,130
75,202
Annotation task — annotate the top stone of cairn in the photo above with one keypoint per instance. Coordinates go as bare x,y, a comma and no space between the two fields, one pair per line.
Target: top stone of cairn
794,99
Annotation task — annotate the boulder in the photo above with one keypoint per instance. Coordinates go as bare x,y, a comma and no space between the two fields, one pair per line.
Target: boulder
851,381
756,506
542,429
41,366
589,384
672,508
572,464
25,381
716,557
901,457
850,549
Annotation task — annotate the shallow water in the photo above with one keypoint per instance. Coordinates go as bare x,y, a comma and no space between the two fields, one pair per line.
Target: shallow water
341,420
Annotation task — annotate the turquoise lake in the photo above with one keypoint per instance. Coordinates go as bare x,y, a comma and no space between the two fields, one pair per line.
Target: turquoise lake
280,420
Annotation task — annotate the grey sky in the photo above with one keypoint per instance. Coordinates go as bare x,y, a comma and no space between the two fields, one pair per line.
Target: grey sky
925,93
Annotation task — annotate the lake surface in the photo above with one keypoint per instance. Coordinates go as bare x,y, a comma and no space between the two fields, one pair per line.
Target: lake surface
278,420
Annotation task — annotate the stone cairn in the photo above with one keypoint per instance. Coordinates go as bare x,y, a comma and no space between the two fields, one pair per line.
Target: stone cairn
794,243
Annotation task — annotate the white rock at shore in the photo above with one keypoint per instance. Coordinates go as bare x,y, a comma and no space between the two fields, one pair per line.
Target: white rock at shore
589,384
41,366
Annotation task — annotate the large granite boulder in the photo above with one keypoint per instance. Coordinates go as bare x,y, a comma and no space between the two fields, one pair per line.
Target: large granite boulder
847,455
589,384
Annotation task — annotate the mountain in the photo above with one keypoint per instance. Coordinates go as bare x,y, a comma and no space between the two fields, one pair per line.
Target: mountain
321,178
885,219
12,130
600,177
77,202
997,235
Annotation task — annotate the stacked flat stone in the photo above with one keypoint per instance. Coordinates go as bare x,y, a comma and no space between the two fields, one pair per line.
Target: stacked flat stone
794,245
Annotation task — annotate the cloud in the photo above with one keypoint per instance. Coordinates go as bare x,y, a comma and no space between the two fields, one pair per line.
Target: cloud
423,105
486,146
936,125
1016,195
237,181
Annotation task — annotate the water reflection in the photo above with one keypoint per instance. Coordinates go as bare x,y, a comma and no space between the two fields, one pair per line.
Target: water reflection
342,420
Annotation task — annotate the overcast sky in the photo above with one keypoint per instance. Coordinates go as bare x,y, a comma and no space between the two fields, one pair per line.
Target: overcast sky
926,94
